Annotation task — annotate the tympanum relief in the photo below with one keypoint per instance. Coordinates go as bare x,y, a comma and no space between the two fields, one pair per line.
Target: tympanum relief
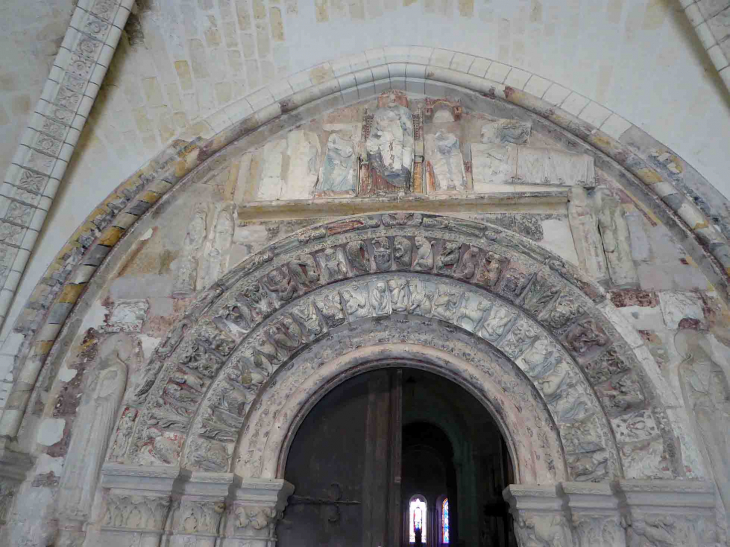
396,144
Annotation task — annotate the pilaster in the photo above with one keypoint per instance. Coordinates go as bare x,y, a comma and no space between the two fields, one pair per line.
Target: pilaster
255,507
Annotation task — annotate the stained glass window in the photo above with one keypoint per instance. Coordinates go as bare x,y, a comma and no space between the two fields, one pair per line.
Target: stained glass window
445,521
417,518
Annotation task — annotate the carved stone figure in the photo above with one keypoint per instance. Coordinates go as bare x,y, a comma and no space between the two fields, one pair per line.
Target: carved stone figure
215,250
280,282
390,146
496,324
123,434
402,252
379,298
544,531
332,264
398,287
357,303
304,270
381,254
446,303
187,265
444,153
330,307
449,257
424,255
306,315
471,313
585,336
707,398
339,173
358,256
421,298
469,264
490,269
538,360
93,428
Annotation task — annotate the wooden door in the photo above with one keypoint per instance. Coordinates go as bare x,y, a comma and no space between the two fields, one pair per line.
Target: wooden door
345,465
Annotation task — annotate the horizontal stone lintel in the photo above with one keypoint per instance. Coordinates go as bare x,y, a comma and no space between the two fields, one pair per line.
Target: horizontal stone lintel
545,201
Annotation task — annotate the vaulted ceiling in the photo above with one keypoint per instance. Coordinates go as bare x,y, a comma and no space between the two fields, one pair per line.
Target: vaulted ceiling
181,64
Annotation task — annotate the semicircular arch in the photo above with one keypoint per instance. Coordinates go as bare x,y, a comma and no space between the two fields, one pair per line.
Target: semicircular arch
534,311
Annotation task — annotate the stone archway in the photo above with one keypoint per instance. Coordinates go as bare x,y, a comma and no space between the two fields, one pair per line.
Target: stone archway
515,325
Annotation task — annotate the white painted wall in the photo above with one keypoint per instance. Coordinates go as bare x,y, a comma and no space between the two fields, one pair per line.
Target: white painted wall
639,58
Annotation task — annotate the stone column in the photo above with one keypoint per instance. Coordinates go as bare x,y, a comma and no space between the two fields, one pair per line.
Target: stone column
670,513
138,503
595,514
13,469
255,507
540,515
198,505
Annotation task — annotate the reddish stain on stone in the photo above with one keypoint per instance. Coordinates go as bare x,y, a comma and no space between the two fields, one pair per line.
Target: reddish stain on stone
634,297
508,92
689,323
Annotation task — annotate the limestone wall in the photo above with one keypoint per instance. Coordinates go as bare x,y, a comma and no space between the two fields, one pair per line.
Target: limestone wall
254,194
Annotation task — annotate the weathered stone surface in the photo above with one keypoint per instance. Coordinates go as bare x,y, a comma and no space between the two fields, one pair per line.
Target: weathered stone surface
339,171
587,239
493,164
390,145
506,131
444,155
677,306
616,240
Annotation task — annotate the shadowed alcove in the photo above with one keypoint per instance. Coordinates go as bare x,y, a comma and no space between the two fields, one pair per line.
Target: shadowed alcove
389,440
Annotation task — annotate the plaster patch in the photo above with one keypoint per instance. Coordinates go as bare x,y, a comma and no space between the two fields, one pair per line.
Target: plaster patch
148,234
47,464
50,431
67,374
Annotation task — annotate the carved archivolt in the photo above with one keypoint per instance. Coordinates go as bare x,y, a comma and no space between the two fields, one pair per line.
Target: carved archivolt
507,298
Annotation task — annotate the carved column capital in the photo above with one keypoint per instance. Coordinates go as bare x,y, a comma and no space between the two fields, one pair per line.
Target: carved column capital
595,514
198,506
541,515
669,513
255,507
137,504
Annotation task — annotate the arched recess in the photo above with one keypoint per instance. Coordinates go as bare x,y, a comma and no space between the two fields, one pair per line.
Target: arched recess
453,290
249,123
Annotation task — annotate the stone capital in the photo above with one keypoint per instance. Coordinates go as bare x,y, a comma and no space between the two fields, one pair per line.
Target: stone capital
255,506
198,506
678,512
595,514
137,504
541,515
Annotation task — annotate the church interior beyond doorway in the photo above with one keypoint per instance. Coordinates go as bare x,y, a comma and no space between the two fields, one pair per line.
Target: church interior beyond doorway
397,455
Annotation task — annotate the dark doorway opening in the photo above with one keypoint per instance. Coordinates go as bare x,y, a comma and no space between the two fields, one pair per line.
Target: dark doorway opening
391,448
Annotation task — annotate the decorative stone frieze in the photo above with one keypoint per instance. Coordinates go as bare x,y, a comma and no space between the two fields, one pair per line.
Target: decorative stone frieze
198,505
255,506
618,514
595,514
669,513
540,515
137,505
